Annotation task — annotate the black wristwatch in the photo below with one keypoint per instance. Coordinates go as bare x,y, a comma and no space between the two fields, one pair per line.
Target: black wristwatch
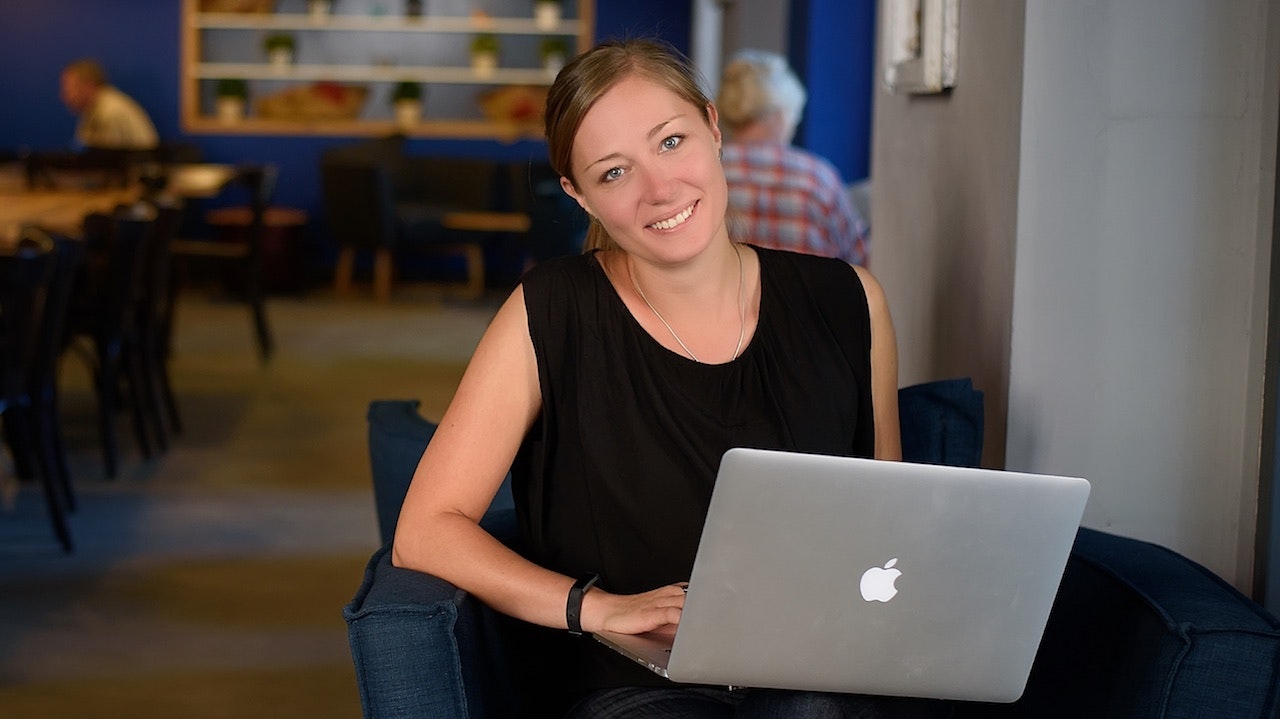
573,608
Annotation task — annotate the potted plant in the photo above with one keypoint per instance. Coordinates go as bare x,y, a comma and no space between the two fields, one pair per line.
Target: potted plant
406,99
279,47
319,10
231,94
547,14
553,51
484,53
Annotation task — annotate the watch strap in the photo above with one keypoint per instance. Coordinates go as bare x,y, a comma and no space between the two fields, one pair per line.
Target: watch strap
573,608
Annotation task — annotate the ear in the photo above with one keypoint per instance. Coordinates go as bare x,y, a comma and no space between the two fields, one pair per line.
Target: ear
571,191
713,117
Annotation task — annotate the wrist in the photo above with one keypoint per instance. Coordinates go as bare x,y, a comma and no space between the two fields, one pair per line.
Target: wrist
573,605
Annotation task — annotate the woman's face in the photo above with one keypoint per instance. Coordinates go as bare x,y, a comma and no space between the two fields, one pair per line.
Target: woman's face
647,167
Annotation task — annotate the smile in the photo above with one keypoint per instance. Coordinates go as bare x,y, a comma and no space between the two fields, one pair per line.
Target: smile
673,222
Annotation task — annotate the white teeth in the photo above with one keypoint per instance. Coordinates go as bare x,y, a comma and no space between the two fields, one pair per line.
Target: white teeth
674,221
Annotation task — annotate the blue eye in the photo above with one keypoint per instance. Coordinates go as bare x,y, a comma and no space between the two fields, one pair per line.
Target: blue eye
611,174
671,142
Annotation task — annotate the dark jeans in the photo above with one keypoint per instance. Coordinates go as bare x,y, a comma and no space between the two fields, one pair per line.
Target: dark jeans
712,702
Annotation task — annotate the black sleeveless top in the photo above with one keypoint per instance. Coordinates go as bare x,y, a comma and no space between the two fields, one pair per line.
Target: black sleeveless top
616,474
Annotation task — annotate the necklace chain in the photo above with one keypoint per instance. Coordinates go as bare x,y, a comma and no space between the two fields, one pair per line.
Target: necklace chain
742,311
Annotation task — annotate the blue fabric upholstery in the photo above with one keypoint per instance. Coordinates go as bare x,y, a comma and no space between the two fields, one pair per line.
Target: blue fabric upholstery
424,649
1140,632
1137,631
398,435
941,422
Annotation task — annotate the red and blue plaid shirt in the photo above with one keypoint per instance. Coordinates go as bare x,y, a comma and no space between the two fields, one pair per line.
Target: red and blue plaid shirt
789,198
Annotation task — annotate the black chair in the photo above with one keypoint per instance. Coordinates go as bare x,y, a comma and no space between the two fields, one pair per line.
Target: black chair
378,200
101,325
153,318
43,382
242,257
25,274
557,225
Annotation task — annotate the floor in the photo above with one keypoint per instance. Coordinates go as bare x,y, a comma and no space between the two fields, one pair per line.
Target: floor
209,581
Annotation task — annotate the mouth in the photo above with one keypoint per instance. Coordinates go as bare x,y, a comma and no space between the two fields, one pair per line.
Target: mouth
674,221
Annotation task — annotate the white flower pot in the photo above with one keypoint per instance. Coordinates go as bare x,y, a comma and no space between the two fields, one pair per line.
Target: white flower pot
280,59
553,64
408,113
230,110
484,64
319,11
546,15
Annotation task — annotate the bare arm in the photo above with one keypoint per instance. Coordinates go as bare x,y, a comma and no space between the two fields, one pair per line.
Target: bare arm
458,476
884,370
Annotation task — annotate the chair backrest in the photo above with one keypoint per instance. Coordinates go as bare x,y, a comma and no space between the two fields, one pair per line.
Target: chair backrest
455,183
69,254
259,181
942,422
398,435
25,273
121,238
154,277
359,207
557,224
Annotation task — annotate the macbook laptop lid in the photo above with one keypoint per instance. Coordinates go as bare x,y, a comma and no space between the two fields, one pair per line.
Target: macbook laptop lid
876,577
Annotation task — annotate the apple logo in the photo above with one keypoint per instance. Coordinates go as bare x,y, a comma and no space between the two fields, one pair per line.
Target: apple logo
877,582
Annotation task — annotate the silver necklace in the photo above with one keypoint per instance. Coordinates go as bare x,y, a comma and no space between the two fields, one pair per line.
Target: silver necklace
742,311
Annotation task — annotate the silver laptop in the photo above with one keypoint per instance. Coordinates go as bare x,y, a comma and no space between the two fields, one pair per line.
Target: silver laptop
856,575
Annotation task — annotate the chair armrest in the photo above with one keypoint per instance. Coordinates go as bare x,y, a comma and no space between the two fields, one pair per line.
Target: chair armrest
1138,630
424,648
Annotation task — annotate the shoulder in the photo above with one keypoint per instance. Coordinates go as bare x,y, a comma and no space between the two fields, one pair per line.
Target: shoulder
555,285
818,275
567,268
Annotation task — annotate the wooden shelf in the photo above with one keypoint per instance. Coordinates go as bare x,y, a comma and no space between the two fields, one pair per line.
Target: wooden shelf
370,73
361,23
198,70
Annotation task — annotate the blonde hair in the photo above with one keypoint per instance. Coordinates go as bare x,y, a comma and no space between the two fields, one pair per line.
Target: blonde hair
589,76
754,84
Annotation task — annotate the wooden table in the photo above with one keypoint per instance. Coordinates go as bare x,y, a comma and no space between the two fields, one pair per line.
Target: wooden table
60,210
193,181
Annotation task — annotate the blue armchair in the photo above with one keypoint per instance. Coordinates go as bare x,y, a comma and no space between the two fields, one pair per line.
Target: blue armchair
1136,631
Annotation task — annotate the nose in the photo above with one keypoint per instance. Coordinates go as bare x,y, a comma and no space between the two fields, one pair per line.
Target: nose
659,184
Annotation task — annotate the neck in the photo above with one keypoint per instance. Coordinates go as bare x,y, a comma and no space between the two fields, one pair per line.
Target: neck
697,314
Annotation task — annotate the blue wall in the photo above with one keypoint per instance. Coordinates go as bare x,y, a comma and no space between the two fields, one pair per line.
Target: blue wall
832,47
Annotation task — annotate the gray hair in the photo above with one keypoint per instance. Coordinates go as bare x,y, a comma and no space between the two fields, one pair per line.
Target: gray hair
755,83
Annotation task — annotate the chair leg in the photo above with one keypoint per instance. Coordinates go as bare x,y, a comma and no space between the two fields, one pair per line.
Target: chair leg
25,432
52,424
343,272
167,395
383,270
107,382
475,271
137,399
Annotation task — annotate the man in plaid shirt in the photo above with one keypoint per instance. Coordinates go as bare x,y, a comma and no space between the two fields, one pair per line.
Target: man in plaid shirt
780,195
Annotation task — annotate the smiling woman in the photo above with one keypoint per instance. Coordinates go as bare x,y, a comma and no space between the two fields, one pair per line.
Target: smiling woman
611,384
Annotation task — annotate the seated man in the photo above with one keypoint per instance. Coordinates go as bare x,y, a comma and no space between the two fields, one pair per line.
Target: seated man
109,119
780,196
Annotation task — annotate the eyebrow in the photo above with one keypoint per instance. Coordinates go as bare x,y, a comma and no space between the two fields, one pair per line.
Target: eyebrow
649,136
